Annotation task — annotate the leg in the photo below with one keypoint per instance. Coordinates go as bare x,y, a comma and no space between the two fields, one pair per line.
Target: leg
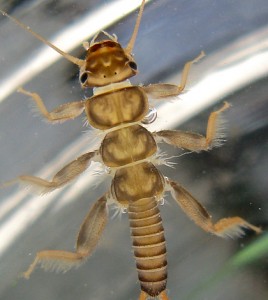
162,90
232,227
62,113
162,296
143,296
64,176
88,238
196,142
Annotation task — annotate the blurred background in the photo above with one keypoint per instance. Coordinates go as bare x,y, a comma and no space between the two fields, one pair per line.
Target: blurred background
228,181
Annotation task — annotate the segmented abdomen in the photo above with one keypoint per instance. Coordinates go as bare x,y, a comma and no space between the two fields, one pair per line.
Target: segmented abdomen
149,245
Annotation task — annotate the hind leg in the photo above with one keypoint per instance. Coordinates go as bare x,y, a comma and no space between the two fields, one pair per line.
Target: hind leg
88,237
227,227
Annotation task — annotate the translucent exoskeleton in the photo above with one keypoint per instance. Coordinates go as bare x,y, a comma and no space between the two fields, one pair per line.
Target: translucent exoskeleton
119,109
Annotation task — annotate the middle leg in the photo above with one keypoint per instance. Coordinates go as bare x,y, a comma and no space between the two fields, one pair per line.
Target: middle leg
194,141
63,177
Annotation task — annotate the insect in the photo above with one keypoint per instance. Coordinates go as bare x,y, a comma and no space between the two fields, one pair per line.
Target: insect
131,152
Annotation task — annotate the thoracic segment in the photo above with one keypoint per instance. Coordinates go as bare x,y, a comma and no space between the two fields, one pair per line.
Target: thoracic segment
137,184
118,109
127,145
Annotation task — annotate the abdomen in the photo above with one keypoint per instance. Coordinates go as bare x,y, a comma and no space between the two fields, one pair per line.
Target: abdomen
149,245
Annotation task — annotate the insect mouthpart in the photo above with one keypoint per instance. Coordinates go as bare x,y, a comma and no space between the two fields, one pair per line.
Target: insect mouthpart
128,151
107,62
96,46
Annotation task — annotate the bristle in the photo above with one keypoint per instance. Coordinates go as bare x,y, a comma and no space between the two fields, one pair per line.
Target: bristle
33,188
220,132
59,266
162,158
233,232
234,227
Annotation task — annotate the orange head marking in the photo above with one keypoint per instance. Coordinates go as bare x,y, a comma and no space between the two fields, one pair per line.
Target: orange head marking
106,62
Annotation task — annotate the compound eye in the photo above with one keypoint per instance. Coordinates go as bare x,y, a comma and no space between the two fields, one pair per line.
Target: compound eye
83,78
133,65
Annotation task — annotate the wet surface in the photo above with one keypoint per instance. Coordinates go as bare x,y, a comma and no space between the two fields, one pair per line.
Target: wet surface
230,180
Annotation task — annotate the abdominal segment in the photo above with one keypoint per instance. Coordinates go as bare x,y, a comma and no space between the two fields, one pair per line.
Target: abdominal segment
139,187
137,184
149,245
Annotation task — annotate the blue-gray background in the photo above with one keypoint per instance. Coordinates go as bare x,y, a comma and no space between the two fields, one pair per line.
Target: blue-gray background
229,181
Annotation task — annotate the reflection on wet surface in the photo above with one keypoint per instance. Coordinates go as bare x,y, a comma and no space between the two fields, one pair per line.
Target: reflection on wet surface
228,181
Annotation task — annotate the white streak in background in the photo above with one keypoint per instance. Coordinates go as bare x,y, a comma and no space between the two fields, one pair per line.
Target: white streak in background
35,206
222,79
210,89
32,206
233,67
199,97
85,27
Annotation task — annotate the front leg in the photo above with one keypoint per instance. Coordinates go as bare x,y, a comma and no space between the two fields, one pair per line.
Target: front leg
62,113
63,177
227,227
163,90
88,238
194,141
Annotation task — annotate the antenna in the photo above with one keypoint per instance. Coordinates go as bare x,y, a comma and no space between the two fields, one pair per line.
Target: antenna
71,58
132,40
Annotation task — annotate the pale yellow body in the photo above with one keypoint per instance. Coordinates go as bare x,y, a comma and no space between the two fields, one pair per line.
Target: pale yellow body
129,149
